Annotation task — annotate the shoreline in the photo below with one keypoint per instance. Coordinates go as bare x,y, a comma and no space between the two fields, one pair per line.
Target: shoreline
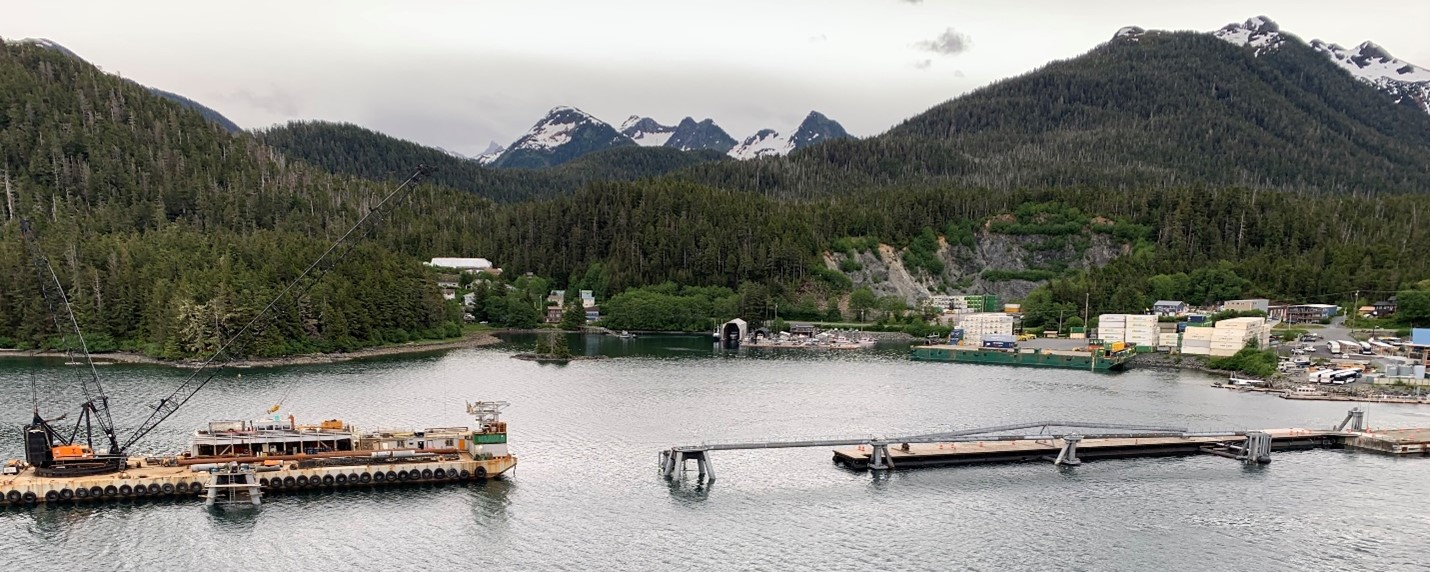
473,340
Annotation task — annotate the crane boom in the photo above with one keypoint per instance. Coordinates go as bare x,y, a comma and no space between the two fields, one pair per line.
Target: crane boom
96,403
191,385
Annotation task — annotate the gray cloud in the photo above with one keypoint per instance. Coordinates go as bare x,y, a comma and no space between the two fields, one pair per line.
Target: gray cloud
950,42
923,64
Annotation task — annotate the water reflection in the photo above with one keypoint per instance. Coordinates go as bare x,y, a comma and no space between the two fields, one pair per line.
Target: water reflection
688,490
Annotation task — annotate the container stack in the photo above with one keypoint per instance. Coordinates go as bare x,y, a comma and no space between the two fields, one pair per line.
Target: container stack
999,341
1226,338
1168,341
1136,329
976,326
1197,340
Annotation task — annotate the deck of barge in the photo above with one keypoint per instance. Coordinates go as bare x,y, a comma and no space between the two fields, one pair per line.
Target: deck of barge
147,481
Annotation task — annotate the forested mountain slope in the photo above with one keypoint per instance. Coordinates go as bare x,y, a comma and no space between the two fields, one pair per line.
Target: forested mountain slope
1153,110
353,150
169,232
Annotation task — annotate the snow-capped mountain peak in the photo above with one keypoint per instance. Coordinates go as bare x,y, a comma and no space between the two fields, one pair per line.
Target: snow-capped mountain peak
645,131
1259,33
764,143
562,135
1371,62
816,128
555,129
1129,32
1408,83
490,154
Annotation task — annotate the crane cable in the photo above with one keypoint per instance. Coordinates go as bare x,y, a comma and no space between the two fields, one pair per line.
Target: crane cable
168,406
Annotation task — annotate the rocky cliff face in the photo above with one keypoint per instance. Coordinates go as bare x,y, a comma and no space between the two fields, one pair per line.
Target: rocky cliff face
1008,266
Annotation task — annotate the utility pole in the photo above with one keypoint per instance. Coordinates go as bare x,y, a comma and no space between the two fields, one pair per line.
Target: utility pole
1355,302
1086,299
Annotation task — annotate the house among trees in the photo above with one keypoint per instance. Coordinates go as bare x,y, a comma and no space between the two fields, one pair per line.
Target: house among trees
1384,307
1303,313
1169,308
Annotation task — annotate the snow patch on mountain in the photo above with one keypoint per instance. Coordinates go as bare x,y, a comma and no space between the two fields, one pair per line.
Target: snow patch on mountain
1129,32
764,143
555,129
1370,63
646,132
1259,33
491,153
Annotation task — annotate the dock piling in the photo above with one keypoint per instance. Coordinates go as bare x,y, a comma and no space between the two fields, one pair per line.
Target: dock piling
1355,419
1067,456
879,458
1258,447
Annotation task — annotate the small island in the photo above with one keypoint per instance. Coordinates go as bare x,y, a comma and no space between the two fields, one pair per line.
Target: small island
551,348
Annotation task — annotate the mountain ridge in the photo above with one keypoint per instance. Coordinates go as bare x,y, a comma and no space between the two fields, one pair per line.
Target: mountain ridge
208,112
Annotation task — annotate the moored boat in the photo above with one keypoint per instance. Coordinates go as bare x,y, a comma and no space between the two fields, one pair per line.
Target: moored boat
1091,359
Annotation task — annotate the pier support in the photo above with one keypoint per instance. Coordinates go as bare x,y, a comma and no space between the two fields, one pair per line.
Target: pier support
1355,420
1068,455
673,462
1258,447
879,459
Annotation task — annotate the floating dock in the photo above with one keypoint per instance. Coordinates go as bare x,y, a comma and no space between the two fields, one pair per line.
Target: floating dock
915,455
1068,443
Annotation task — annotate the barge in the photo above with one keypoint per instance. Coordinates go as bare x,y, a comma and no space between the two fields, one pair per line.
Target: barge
282,456
1091,359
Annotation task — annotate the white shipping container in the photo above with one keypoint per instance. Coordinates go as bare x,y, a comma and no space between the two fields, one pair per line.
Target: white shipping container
1198,334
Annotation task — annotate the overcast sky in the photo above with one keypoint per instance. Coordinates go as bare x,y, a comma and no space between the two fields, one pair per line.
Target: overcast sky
457,74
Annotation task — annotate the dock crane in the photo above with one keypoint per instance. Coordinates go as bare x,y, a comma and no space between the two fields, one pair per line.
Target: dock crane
54,454
47,449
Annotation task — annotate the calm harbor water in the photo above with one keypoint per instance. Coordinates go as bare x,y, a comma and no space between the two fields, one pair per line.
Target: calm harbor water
586,495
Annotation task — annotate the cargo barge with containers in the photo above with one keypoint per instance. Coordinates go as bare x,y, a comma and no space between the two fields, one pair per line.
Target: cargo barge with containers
1091,358
242,461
